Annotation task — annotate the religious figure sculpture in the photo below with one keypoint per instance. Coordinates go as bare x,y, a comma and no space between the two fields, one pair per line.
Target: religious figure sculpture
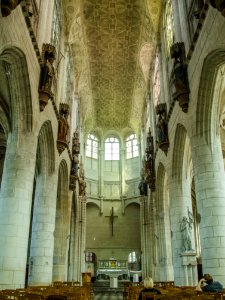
150,162
74,166
82,186
180,75
63,127
162,127
186,227
143,187
47,74
76,144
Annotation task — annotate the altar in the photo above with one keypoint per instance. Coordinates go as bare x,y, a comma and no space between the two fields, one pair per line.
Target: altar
108,269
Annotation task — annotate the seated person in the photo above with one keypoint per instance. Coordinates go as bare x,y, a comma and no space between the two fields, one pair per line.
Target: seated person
206,284
148,288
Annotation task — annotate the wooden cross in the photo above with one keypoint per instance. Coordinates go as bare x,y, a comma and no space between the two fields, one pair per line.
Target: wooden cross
111,218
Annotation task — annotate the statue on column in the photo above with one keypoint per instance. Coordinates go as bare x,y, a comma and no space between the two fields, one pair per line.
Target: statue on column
180,75
63,127
81,181
143,187
76,144
162,127
186,227
150,162
46,75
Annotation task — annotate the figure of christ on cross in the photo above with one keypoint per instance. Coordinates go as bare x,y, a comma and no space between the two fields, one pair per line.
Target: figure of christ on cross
111,218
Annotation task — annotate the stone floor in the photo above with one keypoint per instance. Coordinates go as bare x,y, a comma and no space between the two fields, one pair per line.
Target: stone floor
108,295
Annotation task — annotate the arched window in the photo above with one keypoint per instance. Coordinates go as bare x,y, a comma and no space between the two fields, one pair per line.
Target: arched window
56,26
131,146
168,27
112,149
92,146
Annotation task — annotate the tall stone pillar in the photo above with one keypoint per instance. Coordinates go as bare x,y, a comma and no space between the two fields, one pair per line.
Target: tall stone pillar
122,171
76,261
143,236
43,228
210,195
15,209
183,244
150,220
101,172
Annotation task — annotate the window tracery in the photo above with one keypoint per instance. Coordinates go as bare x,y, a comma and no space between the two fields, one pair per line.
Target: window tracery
112,148
92,146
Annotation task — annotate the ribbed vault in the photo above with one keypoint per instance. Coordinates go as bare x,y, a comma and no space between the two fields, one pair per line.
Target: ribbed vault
106,38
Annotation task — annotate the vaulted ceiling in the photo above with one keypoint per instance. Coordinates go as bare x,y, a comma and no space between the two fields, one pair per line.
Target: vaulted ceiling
113,44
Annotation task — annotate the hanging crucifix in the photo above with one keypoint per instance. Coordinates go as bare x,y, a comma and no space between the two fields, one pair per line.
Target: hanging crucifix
111,218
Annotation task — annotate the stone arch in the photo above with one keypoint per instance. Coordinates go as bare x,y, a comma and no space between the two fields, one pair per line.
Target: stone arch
45,151
62,225
72,252
207,103
178,152
20,102
163,227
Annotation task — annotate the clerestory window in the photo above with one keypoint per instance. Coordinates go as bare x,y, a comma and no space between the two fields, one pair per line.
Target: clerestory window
112,149
168,27
131,146
92,146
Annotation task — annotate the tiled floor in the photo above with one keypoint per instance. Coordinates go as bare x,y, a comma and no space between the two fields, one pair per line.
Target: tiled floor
108,296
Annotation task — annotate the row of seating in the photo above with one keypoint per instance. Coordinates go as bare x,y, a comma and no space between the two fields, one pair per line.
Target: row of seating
56,291
168,292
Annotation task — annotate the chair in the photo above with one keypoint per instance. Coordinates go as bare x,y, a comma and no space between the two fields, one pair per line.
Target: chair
148,295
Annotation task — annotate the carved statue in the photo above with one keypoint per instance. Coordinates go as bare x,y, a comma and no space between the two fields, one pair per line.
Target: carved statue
63,123
46,75
162,127
180,68
47,69
180,75
150,162
76,144
82,186
75,166
186,227
143,187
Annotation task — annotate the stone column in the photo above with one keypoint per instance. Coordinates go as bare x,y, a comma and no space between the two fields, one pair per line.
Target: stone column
150,220
143,236
101,172
43,227
210,195
76,262
83,232
15,209
180,195
122,171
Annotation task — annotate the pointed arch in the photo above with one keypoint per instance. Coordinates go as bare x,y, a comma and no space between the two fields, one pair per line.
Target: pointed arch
20,102
62,225
45,150
204,114
178,152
